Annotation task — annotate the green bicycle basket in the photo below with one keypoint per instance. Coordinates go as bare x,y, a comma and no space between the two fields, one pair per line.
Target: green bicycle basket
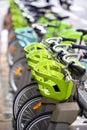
35,53
53,83
32,47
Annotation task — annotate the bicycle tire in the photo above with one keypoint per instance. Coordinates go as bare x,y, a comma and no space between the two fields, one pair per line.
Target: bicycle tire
26,112
11,36
25,93
9,54
22,78
15,52
43,122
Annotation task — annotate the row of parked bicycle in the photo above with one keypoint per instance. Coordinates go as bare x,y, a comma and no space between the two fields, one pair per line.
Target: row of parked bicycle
47,58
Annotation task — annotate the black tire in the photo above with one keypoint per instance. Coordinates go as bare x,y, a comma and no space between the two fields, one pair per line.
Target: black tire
23,95
10,53
42,122
15,52
11,36
22,78
27,111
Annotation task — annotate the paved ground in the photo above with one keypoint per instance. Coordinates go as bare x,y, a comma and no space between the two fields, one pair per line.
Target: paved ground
78,18
5,103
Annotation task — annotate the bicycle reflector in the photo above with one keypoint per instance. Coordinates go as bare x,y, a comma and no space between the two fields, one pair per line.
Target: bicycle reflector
18,70
38,105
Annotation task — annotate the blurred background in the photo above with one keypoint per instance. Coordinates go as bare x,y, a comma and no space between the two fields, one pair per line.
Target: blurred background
78,18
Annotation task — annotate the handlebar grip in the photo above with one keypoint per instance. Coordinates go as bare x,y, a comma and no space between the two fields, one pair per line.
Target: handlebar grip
85,55
79,46
28,5
69,39
78,70
50,25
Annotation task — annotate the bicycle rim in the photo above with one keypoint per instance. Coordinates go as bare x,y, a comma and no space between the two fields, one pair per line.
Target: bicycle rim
23,95
40,123
20,74
27,111
10,52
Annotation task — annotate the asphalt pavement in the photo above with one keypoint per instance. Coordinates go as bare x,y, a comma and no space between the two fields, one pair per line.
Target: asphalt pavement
77,13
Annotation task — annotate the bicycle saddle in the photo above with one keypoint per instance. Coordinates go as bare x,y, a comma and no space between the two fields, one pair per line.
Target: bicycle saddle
60,17
35,6
39,28
84,31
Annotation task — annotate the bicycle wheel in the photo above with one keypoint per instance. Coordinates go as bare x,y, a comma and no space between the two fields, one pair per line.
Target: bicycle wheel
10,51
30,109
41,122
27,112
15,51
23,95
11,36
20,75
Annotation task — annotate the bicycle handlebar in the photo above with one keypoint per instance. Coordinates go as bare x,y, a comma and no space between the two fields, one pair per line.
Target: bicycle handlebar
50,25
73,46
66,57
57,40
84,55
76,69
79,46
42,27
69,39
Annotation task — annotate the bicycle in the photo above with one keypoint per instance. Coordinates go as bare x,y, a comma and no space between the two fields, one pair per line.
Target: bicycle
49,41
63,25
24,36
43,52
22,112
19,53
12,75
63,123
